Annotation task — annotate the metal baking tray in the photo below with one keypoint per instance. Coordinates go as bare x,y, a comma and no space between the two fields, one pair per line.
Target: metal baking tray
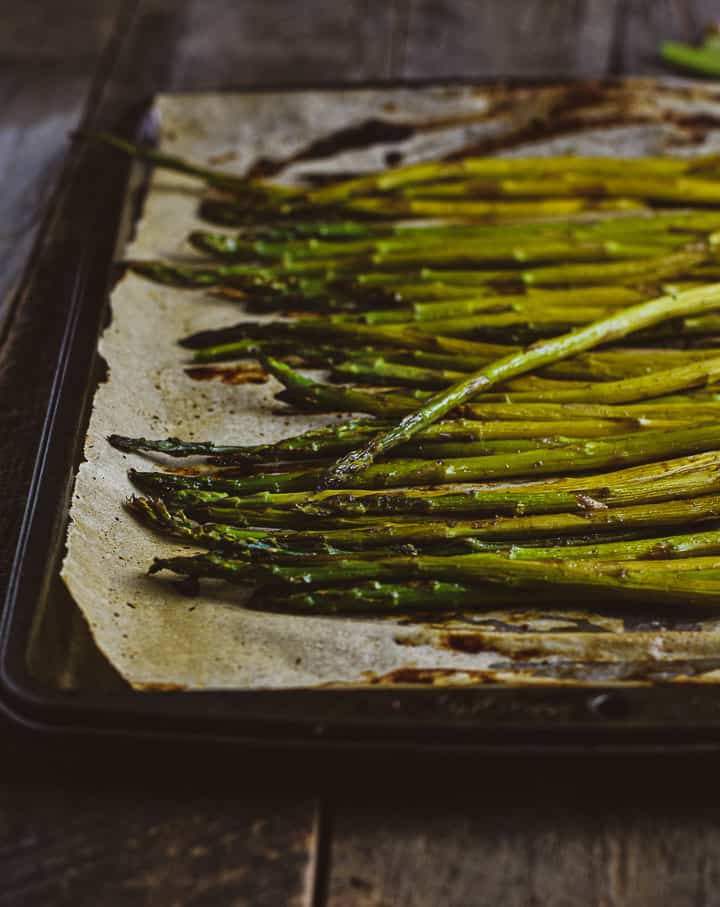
53,678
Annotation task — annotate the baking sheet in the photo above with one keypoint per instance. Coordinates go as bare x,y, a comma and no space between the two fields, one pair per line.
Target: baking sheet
155,635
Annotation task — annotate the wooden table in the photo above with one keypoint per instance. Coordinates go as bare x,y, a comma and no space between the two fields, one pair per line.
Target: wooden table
82,823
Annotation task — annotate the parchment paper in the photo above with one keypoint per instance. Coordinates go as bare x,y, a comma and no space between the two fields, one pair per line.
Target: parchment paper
151,632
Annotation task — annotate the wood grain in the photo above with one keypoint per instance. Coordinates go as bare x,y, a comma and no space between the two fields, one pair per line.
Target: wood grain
198,46
39,110
578,833
124,827
515,38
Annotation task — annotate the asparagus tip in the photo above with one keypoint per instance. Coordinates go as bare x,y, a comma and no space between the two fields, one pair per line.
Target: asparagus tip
121,442
351,464
158,564
152,511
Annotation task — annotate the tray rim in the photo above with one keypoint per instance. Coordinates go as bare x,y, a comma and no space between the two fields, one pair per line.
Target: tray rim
359,718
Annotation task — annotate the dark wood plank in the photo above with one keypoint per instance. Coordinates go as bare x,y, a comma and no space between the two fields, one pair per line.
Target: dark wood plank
644,24
39,109
124,827
580,833
196,46
515,38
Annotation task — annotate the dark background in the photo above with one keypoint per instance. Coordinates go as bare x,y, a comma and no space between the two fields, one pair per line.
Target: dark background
92,824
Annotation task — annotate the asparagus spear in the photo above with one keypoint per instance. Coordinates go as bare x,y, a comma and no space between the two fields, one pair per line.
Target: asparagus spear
668,547
324,329
692,581
173,447
608,523
505,168
314,445
484,211
586,297
660,267
377,369
687,190
526,323
214,346
214,178
440,251
381,597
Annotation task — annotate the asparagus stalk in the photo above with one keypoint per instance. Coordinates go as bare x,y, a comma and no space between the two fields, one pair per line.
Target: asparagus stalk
314,445
558,300
215,178
692,581
323,329
434,171
438,250
173,447
501,324
379,370
669,547
607,330
212,346
660,267
686,190
382,597
625,224
485,211
608,523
